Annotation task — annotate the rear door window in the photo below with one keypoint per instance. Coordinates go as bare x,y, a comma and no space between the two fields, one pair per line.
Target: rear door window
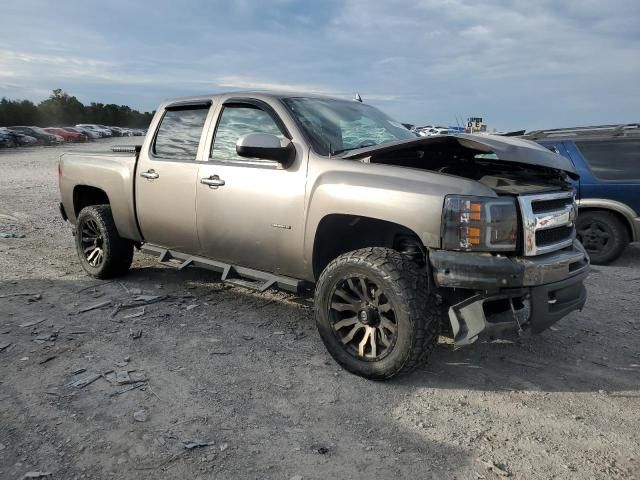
179,133
612,159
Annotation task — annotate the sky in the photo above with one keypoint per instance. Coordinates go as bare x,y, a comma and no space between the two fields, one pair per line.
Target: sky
520,64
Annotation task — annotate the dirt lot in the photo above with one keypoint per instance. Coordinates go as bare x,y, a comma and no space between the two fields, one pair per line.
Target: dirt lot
245,376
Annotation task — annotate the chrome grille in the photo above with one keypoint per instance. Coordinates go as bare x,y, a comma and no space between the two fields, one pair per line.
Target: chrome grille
548,221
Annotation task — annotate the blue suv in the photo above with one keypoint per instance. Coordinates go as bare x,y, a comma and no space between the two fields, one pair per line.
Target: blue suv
608,192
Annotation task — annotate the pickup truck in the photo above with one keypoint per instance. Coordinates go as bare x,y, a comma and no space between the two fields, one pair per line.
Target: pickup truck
401,238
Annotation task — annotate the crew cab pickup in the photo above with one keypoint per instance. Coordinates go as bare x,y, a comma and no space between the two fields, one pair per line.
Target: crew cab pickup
401,238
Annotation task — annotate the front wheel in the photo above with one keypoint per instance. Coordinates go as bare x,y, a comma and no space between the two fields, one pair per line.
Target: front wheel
103,253
374,313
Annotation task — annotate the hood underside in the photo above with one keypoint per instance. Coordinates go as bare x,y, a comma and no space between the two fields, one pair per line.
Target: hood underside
503,149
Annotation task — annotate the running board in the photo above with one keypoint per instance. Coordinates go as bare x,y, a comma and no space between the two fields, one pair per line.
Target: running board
233,274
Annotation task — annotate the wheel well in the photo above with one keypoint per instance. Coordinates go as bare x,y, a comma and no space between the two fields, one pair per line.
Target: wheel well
84,196
617,214
337,234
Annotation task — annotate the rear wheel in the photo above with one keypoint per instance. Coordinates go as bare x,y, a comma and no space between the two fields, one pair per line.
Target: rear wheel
103,253
602,234
374,313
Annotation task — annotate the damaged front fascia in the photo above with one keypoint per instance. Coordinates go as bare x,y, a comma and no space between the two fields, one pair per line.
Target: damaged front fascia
485,271
505,149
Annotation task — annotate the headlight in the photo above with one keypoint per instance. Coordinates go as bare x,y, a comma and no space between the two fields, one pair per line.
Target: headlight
481,224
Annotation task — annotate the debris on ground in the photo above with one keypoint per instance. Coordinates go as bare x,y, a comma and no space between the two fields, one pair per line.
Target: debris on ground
223,446
219,352
495,468
11,235
149,298
47,359
46,337
141,415
191,444
37,474
4,345
88,379
95,306
33,323
128,389
123,378
20,294
140,313
135,334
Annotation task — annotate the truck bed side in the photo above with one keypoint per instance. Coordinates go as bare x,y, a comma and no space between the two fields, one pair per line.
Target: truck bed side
86,176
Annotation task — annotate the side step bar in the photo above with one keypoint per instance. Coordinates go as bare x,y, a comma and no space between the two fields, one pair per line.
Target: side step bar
233,274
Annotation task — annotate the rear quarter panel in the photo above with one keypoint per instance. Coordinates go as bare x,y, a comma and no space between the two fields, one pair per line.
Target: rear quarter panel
111,173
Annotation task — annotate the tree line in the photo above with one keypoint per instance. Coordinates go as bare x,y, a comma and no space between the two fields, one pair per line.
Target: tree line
62,109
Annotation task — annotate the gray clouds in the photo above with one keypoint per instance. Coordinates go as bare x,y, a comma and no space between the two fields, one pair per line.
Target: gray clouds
520,64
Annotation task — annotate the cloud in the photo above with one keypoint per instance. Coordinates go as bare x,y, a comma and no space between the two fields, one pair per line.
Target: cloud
519,63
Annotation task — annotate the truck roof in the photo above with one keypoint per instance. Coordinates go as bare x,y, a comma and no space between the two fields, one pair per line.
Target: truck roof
259,94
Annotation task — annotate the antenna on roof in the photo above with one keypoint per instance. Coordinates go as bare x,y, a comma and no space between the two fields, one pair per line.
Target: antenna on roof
357,97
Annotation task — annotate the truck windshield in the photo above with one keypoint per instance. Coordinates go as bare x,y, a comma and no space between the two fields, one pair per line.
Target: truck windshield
335,126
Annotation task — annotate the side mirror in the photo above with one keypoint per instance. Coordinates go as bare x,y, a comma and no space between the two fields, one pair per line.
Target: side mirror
267,147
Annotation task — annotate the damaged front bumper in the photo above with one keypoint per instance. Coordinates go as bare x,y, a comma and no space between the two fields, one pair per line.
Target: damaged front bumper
521,294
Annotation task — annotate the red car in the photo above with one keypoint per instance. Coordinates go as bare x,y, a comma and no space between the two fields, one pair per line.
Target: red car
68,136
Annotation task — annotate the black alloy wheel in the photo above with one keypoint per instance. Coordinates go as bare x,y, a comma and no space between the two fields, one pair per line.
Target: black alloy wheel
103,252
363,318
92,242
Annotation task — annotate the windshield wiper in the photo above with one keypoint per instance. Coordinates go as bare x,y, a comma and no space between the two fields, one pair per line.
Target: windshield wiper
342,150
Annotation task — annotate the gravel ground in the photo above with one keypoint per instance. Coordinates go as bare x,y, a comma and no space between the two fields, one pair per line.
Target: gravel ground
244,377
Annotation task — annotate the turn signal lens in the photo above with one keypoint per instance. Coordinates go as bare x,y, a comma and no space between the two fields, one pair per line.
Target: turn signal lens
482,224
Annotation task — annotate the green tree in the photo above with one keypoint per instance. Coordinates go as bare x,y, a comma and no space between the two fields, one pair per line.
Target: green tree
62,109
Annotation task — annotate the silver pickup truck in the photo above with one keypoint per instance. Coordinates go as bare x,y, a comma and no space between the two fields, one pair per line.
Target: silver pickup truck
403,238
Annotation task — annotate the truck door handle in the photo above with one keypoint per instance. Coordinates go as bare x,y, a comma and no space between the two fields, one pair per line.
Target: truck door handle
212,181
151,174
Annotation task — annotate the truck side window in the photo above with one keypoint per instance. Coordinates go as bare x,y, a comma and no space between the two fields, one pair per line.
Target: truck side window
179,134
236,121
612,159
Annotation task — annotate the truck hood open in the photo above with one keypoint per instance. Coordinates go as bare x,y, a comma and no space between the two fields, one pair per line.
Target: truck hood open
507,149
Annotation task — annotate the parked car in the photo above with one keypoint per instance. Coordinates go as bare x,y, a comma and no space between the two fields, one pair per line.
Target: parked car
43,137
26,140
608,193
19,139
86,135
7,139
68,136
400,237
103,132
107,130
117,131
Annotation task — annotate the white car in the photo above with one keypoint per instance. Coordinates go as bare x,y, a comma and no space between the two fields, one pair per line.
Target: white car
103,132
